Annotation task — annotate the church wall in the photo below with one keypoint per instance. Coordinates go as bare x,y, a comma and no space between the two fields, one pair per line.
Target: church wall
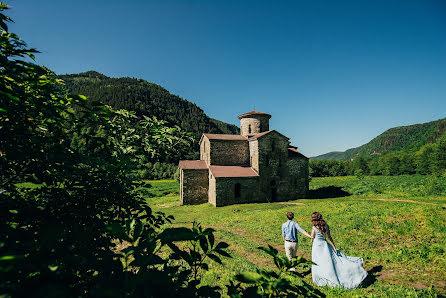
212,190
273,167
205,150
254,155
194,186
229,153
258,123
298,178
226,190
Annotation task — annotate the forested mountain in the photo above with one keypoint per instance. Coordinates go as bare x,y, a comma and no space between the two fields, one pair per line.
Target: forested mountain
145,98
411,138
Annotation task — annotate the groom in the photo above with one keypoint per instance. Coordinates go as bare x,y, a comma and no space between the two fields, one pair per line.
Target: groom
289,235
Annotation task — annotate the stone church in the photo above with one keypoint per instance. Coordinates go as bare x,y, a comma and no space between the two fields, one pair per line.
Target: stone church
257,166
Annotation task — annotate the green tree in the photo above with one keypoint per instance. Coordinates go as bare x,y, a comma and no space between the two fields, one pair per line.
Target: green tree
440,154
407,163
425,159
361,163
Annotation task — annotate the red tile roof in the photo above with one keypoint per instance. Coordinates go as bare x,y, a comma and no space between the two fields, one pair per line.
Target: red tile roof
258,135
232,171
292,152
193,164
212,136
254,113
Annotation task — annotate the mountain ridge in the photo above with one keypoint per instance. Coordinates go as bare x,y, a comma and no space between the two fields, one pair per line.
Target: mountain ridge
409,137
146,98
149,99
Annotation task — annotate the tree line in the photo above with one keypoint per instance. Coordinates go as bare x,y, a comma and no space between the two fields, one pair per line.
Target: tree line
429,159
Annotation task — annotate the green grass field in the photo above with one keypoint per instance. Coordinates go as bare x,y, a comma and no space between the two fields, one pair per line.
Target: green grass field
397,224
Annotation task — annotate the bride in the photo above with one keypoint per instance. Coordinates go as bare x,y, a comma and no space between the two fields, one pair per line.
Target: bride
333,268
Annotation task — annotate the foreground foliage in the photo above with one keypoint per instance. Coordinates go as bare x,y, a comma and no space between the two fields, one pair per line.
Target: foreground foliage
74,222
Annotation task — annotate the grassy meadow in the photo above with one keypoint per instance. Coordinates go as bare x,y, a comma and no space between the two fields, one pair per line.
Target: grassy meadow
397,224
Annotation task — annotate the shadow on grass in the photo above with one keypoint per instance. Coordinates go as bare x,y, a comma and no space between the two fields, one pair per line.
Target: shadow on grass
371,277
328,192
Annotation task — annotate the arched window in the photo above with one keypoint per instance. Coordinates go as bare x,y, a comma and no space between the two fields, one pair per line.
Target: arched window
237,190
249,128
273,145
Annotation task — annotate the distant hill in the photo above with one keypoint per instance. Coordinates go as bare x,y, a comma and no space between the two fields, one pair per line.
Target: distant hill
145,98
410,137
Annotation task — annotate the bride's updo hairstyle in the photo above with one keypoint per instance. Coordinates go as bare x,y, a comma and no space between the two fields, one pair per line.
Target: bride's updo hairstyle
318,222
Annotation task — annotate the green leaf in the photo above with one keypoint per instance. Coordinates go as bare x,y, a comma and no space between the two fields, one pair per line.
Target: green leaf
10,257
128,250
269,250
222,245
117,230
176,234
208,231
223,253
53,267
15,98
214,258
211,239
204,244
3,110
248,277
129,224
138,229
31,56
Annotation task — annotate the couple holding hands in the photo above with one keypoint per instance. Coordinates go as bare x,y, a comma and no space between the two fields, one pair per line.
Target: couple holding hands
332,268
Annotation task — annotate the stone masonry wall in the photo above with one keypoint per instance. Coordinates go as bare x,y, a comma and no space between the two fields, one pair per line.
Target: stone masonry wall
254,154
298,178
225,191
195,186
205,150
212,192
229,153
273,167
259,123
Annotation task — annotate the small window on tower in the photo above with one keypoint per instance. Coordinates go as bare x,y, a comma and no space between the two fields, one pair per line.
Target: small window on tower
249,128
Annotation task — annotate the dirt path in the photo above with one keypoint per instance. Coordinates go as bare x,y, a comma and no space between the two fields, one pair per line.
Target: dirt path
288,203
405,201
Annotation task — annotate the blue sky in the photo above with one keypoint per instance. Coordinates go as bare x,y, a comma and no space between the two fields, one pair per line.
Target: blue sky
333,74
